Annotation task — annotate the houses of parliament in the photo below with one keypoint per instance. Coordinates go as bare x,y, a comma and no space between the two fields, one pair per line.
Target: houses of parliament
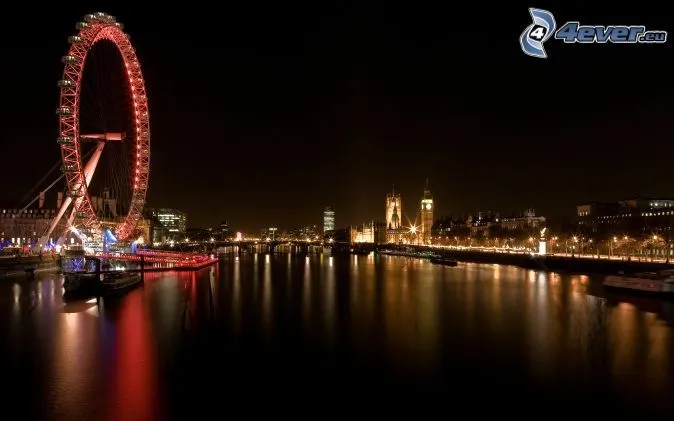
398,227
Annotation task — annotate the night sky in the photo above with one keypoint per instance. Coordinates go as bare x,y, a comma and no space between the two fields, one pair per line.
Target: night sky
264,115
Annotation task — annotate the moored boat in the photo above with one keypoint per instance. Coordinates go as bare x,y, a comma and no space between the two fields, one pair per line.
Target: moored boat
445,261
119,281
80,284
649,282
403,253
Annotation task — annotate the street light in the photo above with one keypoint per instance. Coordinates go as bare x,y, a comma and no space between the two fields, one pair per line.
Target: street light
573,246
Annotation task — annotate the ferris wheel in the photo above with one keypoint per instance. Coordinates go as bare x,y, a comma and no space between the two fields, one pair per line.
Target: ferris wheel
104,131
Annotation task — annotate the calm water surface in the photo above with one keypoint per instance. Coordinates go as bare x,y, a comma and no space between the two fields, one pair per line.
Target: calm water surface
318,335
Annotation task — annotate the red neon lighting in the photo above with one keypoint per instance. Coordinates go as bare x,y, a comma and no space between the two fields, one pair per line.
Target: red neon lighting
184,260
95,31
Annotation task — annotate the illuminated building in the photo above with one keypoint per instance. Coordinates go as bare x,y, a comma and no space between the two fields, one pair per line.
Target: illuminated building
527,220
270,233
23,227
632,217
394,210
369,232
19,228
111,214
168,225
105,207
328,219
395,233
484,222
143,230
311,233
426,215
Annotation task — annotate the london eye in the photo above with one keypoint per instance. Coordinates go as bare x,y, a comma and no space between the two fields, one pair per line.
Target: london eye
104,132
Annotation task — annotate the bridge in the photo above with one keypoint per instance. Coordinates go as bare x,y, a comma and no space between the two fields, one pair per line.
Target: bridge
268,246
273,246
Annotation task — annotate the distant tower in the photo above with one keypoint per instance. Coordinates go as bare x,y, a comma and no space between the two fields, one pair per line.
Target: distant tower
395,219
328,219
224,230
394,210
426,215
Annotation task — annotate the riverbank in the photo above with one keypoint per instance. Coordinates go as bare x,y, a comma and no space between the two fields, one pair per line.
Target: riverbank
14,273
28,265
545,262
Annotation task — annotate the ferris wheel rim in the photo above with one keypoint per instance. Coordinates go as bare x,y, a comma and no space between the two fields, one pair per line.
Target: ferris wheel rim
95,28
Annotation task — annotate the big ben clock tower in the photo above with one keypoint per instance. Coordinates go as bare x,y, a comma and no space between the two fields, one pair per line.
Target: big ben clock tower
426,215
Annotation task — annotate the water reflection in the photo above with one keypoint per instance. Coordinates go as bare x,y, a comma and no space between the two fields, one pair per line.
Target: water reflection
306,294
16,304
132,378
74,367
329,306
236,295
267,310
396,321
641,347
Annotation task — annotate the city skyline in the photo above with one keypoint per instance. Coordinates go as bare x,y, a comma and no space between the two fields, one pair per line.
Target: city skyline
385,101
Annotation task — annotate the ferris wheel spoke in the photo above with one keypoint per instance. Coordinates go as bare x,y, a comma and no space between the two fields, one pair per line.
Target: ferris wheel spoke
92,112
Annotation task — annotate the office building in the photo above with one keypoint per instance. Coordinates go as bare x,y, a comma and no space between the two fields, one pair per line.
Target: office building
328,219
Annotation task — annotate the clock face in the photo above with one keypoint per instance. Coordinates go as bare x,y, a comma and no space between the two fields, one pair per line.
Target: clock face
428,206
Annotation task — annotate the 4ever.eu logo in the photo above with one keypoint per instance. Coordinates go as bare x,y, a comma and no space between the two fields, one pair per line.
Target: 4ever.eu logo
543,27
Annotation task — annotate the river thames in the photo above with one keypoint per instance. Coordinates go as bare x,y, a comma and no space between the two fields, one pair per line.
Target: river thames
315,335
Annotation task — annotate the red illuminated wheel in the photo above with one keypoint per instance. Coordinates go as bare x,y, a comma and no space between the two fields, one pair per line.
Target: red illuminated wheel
103,119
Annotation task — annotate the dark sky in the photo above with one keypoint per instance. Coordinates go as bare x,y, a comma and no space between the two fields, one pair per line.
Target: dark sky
264,114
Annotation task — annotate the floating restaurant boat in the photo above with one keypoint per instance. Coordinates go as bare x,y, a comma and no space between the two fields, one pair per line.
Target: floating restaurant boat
81,284
119,281
649,282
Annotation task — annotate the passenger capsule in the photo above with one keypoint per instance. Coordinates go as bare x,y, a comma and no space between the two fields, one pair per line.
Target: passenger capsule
69,59
65,83
65,140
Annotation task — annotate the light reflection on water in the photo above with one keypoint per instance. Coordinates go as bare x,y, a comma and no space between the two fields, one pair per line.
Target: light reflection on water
399,321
